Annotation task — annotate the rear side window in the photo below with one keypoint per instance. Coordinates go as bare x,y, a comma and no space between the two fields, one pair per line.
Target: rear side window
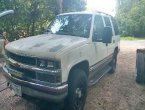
107,21
115,26
98,28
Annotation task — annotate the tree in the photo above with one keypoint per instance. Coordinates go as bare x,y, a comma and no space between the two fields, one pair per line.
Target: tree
73,5
130,16
31,15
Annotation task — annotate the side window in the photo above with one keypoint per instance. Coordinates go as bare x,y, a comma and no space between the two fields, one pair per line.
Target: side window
107,21
115,26
98,28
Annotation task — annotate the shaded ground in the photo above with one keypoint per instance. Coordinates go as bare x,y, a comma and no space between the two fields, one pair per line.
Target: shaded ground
117,91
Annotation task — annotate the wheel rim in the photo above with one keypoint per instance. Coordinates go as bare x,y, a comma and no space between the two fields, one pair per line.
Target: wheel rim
80,95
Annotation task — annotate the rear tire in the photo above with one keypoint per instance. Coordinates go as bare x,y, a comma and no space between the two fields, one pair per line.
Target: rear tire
77,90
113,63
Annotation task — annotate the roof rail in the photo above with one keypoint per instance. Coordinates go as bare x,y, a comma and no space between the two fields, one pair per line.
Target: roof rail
102,13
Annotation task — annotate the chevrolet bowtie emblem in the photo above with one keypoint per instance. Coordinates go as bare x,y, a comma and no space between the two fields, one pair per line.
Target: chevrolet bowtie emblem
16,64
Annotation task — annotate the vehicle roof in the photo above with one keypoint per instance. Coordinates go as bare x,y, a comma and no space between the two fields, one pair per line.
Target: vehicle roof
86,12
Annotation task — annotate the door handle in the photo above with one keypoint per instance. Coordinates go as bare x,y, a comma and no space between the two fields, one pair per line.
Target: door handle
113,41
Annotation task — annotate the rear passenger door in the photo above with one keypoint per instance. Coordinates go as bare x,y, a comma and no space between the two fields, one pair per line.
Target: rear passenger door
111,46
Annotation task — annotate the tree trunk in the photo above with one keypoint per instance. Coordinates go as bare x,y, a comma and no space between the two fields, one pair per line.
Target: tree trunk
60,6
140,66
33,27
34,15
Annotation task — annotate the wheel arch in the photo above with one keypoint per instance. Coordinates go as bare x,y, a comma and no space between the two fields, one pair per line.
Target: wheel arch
116,49
83,65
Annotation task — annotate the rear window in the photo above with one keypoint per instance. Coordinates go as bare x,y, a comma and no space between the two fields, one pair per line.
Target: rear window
107,21
115,26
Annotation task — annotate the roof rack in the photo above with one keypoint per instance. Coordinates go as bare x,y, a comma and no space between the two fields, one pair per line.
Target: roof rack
102,13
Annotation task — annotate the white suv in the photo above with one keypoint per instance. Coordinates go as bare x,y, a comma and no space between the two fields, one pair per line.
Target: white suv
75,52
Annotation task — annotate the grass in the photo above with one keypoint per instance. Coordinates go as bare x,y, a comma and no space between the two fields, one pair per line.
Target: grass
132,38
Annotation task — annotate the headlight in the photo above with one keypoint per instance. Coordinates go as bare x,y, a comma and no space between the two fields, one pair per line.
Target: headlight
48,64
54,73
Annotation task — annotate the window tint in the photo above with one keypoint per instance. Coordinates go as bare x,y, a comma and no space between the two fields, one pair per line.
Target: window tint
107,21
115,26
98,28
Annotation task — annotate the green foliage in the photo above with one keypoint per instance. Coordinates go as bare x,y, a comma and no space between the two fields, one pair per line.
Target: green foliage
132,38
131,17
29,16
32,15
73,5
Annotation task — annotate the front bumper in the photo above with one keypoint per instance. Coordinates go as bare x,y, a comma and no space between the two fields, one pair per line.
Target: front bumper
55,94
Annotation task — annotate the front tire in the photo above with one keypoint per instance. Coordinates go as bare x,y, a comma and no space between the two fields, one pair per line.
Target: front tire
77,91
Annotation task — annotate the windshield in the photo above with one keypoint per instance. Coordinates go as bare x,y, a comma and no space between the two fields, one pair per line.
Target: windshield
71,24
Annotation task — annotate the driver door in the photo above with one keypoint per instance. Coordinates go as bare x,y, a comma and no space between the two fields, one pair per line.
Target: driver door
100,48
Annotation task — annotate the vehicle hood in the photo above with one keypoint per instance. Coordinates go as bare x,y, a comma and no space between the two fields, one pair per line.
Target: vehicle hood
46,45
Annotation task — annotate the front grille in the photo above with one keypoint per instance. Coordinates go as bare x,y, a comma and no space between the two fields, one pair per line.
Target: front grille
26,73
21,59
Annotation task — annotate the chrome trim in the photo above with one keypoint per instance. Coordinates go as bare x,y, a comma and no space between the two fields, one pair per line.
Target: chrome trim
34,68
32,56
41,95
31,83
20,75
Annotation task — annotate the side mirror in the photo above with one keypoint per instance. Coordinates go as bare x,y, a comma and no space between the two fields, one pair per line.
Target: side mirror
107,35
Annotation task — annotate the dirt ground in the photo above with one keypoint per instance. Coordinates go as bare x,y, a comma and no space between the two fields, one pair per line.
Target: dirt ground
117,91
